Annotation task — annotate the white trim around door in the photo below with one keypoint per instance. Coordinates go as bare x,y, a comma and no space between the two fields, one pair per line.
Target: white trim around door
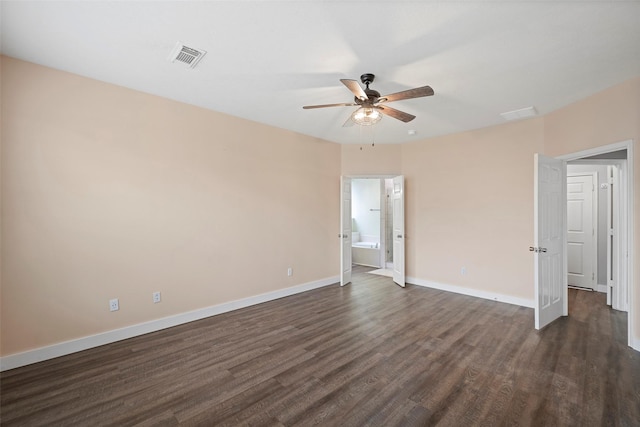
626,227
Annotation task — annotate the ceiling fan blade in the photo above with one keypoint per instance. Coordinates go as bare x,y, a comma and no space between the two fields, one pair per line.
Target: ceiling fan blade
407,94
396,114
355,88
350,104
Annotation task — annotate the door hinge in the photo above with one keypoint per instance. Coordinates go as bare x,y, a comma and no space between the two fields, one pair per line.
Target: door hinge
593,276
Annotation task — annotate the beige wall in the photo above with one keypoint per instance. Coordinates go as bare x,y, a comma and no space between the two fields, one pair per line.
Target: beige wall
469,203
385,159
108,192
605,118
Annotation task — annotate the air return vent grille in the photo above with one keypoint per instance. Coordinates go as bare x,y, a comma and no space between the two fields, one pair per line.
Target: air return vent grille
186,55
519,114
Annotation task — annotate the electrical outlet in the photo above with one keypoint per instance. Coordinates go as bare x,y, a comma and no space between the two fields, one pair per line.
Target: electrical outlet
156,297
114,305
290,271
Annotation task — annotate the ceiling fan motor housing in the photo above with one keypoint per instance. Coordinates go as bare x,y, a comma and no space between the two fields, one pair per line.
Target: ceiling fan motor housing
372,95
367,78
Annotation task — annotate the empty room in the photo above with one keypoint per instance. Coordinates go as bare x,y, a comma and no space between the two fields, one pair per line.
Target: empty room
319,213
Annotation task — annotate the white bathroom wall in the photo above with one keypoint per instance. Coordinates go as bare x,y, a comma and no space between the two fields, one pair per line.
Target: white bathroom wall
365,195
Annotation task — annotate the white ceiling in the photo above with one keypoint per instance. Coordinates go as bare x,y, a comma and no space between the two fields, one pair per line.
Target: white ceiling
266,59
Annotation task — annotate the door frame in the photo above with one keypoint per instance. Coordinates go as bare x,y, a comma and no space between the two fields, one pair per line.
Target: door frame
383,243
620,218
626,195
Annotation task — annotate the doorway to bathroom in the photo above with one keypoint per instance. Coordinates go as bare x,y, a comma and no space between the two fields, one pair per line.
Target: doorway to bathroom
372,226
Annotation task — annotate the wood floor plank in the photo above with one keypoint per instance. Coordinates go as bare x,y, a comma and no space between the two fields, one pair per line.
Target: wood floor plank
370,353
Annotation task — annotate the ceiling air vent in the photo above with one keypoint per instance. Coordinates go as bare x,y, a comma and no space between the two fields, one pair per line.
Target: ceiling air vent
186,55
519,114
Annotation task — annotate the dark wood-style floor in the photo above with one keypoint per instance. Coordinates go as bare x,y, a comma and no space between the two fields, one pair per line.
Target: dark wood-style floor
370,353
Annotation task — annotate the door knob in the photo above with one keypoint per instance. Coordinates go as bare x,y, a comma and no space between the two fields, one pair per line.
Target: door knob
532,249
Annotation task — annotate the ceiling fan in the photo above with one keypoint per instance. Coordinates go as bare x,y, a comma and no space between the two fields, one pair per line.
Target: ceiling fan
372,104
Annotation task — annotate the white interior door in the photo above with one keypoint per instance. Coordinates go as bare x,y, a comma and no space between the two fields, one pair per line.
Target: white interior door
398,230
549,237
345,231
581,231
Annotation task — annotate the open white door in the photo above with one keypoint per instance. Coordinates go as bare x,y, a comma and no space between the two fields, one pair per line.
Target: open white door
398,230
345,231
549,239
618,282
612,227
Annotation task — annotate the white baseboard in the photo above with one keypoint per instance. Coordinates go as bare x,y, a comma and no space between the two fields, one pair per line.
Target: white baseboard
601,288
635,343
472,292
61,349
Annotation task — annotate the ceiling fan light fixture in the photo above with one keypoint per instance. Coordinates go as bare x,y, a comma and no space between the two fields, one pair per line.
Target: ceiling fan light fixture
366,116
370,111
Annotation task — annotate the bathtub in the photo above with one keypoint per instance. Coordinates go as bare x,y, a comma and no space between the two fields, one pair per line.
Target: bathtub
366,253
370,245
